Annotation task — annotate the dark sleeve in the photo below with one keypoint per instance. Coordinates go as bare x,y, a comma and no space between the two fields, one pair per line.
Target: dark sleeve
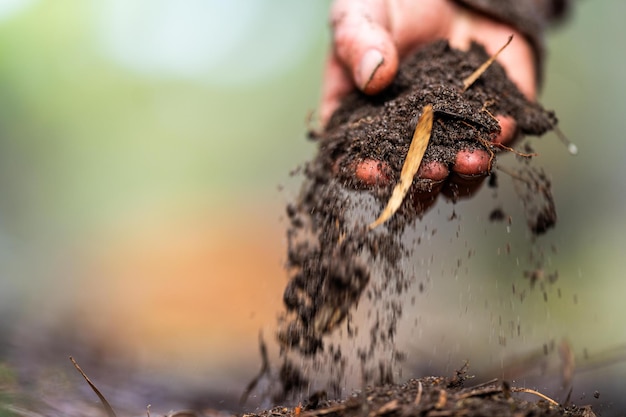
530,17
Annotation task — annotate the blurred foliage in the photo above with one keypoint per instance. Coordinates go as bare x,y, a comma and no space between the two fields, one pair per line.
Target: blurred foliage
7,389
83,138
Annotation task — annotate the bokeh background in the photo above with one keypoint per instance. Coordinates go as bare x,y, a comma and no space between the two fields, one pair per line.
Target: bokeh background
145,156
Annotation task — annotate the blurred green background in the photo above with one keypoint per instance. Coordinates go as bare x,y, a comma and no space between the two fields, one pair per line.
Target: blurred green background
145,151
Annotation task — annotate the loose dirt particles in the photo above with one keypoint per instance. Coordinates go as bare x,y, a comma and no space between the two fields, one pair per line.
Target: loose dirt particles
333,256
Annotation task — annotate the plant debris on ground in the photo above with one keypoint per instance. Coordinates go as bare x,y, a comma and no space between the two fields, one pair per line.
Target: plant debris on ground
432,397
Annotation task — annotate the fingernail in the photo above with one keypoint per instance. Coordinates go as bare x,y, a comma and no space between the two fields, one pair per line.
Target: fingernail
371,61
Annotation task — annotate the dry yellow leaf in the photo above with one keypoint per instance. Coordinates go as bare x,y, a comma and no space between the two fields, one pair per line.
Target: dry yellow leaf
419,143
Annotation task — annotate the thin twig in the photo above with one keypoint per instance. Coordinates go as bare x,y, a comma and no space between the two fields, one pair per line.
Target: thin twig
537,393
107,407
418,397
476,74
515,176
325,411
571,147
483,384
515,151
569,396
385,409
492,155
265,369
481,392
442,400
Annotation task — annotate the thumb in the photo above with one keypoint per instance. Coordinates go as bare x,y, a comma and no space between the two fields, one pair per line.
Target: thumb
363,43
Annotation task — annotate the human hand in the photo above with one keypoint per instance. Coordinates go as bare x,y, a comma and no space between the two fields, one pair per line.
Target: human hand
370,37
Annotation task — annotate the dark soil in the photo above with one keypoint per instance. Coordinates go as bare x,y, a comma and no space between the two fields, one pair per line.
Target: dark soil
333,256
326,243
381,127
432,397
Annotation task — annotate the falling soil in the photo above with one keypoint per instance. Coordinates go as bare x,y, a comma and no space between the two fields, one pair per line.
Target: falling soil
327,242
333,256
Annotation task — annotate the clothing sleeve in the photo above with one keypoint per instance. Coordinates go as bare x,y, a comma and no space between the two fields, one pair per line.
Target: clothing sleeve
530,17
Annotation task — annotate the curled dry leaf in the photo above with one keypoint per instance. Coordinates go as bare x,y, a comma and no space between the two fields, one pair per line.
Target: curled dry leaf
419,143
105,404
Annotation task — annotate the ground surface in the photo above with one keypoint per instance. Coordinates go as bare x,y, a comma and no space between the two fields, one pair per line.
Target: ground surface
431,397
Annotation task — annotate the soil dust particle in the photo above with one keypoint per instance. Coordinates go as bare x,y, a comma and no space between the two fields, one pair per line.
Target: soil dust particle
497,215
332,255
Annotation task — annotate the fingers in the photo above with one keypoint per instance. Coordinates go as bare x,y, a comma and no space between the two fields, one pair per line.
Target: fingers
363,54
363,43
337,84
468,164
369,37
434,171
517,59
471,167
433,177
472,163
508,129
371,172
468,173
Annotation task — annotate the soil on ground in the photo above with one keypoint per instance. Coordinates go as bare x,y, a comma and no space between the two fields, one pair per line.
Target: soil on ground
432,397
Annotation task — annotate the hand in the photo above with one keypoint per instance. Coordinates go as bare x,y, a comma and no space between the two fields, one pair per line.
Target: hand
369,39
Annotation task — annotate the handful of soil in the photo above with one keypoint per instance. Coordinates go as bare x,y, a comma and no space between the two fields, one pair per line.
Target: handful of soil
331,251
